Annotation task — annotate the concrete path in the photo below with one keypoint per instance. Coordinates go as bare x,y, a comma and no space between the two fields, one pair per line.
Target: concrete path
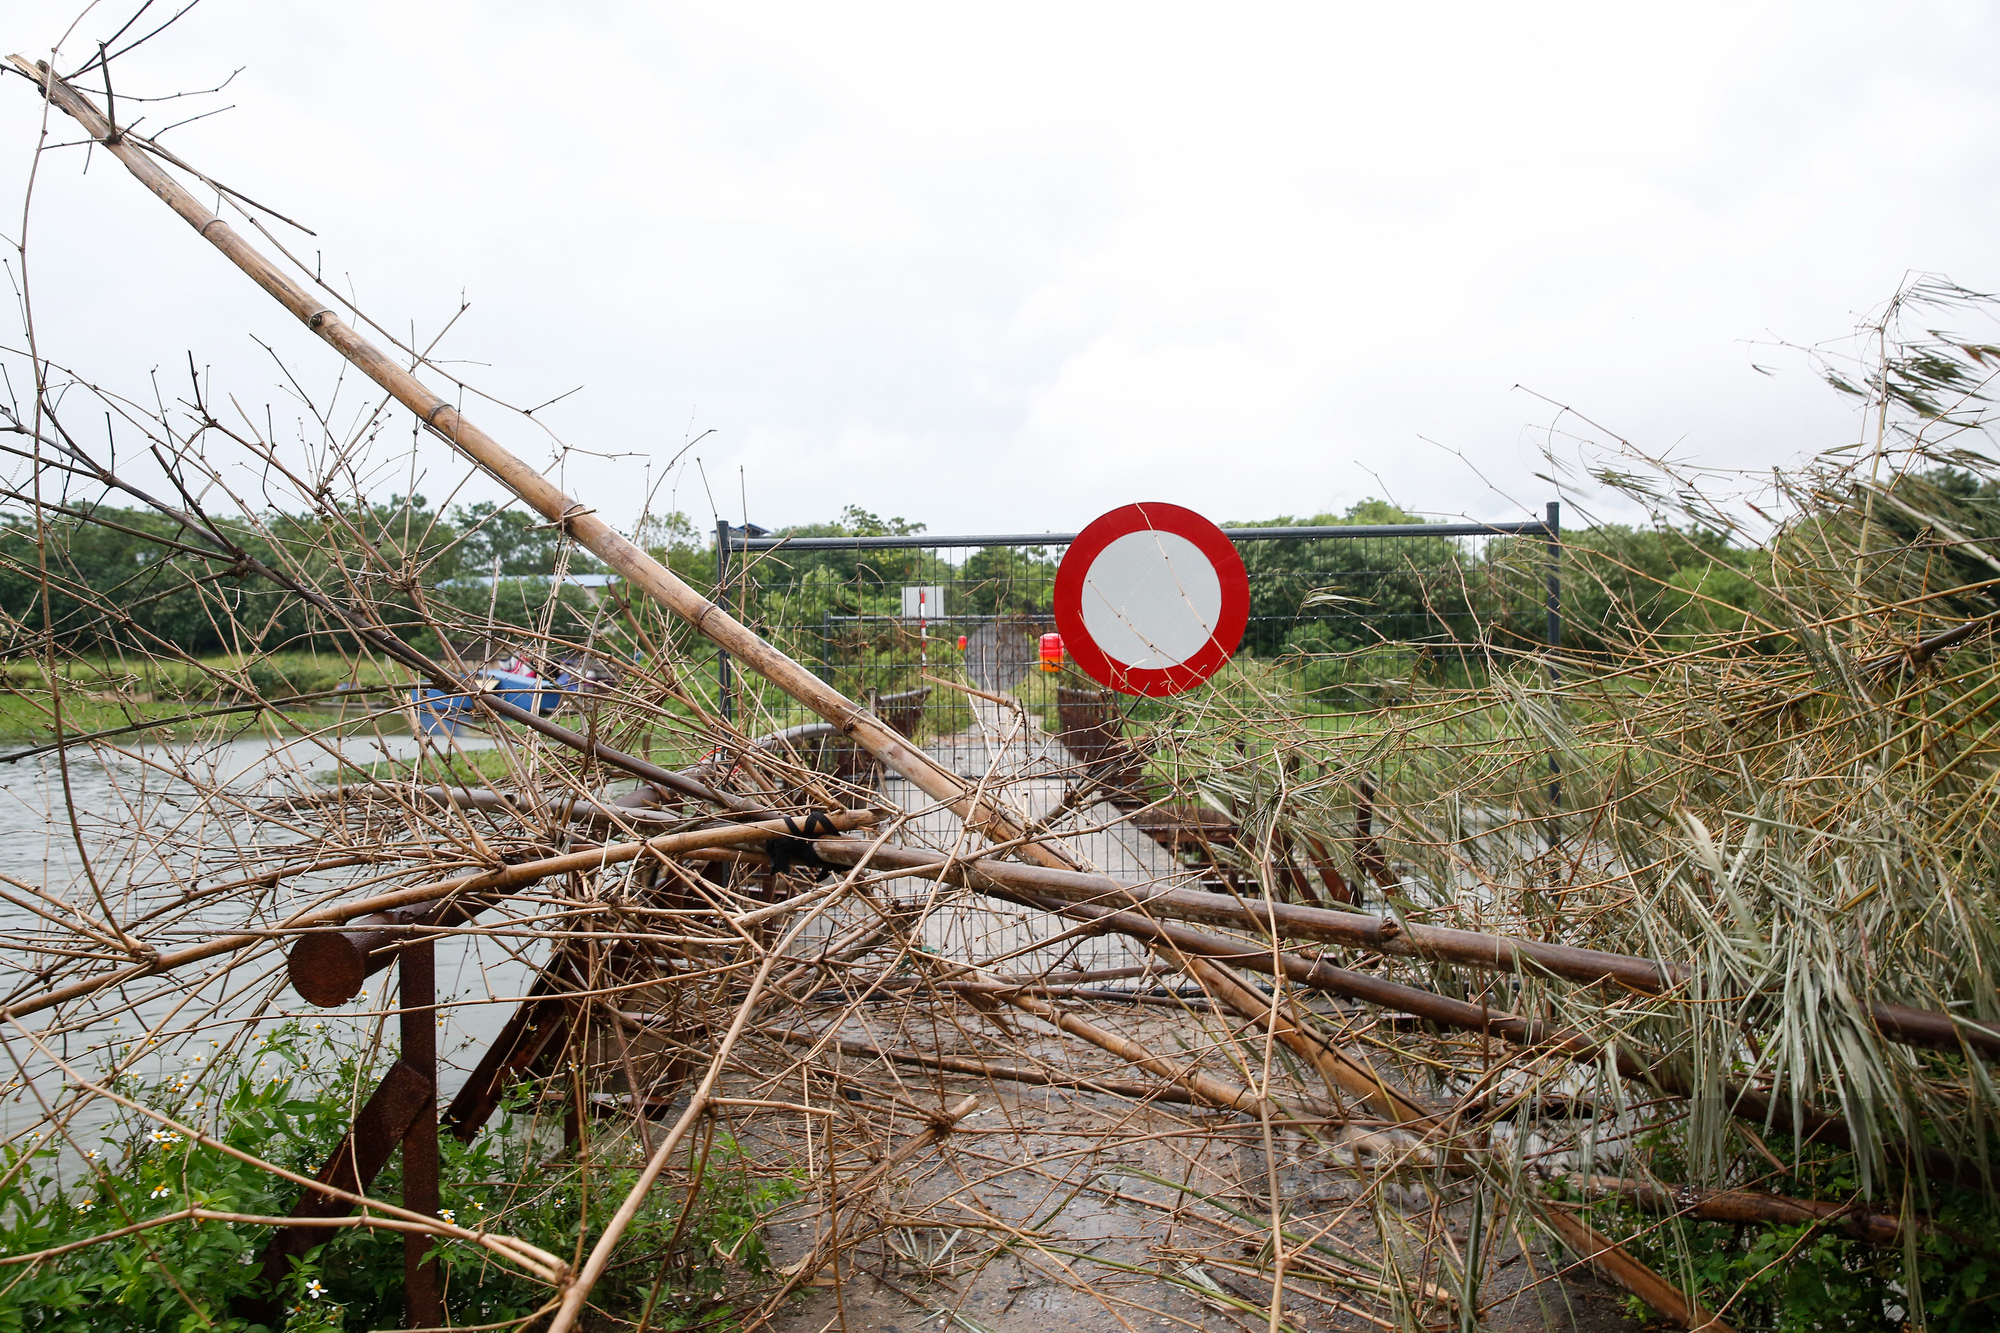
1008,754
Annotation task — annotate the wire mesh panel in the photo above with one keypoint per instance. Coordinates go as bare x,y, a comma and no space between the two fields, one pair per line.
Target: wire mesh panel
1330,609
949,640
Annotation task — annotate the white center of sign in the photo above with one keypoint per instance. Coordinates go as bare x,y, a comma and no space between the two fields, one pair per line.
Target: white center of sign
1151,600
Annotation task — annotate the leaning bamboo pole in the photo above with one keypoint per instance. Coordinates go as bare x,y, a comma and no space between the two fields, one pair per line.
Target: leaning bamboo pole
329,967
978,813
579,521
505,879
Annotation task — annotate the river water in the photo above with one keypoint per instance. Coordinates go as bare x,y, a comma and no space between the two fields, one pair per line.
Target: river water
146,816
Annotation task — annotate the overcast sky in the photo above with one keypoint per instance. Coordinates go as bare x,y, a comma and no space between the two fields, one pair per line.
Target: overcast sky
1006,267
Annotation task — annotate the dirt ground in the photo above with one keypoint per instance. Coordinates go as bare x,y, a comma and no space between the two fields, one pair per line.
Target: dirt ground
1056,1208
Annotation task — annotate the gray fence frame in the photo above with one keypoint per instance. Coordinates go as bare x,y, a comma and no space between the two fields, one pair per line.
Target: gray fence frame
731,539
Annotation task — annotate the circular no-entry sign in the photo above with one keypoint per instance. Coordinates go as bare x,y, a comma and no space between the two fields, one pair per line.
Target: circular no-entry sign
1151,599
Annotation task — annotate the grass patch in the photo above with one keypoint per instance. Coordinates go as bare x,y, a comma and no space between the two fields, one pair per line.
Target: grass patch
484,767
287,1098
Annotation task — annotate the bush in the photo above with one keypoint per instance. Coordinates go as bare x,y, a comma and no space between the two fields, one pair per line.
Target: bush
288,1102
1808,1278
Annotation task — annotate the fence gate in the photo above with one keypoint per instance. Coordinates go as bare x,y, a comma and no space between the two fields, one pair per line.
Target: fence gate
1334,611
1338,614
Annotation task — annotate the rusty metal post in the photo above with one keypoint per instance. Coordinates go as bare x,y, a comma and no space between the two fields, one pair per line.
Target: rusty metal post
423,1303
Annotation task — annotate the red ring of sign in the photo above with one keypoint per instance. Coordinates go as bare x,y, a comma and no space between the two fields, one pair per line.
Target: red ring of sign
1153,682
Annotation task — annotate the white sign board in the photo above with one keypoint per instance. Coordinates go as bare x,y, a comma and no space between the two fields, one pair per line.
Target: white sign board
926,603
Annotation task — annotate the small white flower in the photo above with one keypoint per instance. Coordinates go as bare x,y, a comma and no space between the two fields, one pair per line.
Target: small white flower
447,1214
314,1289
92,1155
159,1192
86,1205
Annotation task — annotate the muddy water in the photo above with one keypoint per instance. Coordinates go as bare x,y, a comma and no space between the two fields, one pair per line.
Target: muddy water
135,816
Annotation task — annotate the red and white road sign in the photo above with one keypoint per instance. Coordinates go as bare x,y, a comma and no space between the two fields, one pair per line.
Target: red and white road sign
1151,599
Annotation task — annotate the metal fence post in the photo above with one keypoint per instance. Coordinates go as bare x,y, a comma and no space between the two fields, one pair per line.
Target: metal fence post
722,690
1555,638
1554,543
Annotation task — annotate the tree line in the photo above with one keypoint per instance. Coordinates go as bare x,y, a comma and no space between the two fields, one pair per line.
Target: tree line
1311,596
119,578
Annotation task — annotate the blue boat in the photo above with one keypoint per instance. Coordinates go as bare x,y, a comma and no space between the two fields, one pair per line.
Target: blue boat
442,714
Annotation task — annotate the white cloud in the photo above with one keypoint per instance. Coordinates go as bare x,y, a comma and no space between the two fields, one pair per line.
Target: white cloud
1007,269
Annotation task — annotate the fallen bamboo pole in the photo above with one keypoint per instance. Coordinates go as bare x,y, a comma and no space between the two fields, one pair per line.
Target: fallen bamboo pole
579,521
1379,934
1743,1103
1348,1073
1608,1257
950,1064
1206,1087
329,967
1631,1063
1751,1208
485,881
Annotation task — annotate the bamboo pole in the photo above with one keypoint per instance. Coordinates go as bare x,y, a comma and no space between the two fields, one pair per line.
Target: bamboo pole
1751,1208
1214,1091
981,1069
328,967
504,880
1608,1257
1351,1074
1021,884
1379,934
581,522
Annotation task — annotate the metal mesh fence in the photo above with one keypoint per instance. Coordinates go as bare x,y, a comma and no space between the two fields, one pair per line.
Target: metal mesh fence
1336,613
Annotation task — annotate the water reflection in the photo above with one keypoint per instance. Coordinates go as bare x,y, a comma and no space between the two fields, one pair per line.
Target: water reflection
150,820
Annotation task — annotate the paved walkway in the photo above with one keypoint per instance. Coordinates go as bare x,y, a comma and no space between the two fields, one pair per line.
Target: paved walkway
1014,760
